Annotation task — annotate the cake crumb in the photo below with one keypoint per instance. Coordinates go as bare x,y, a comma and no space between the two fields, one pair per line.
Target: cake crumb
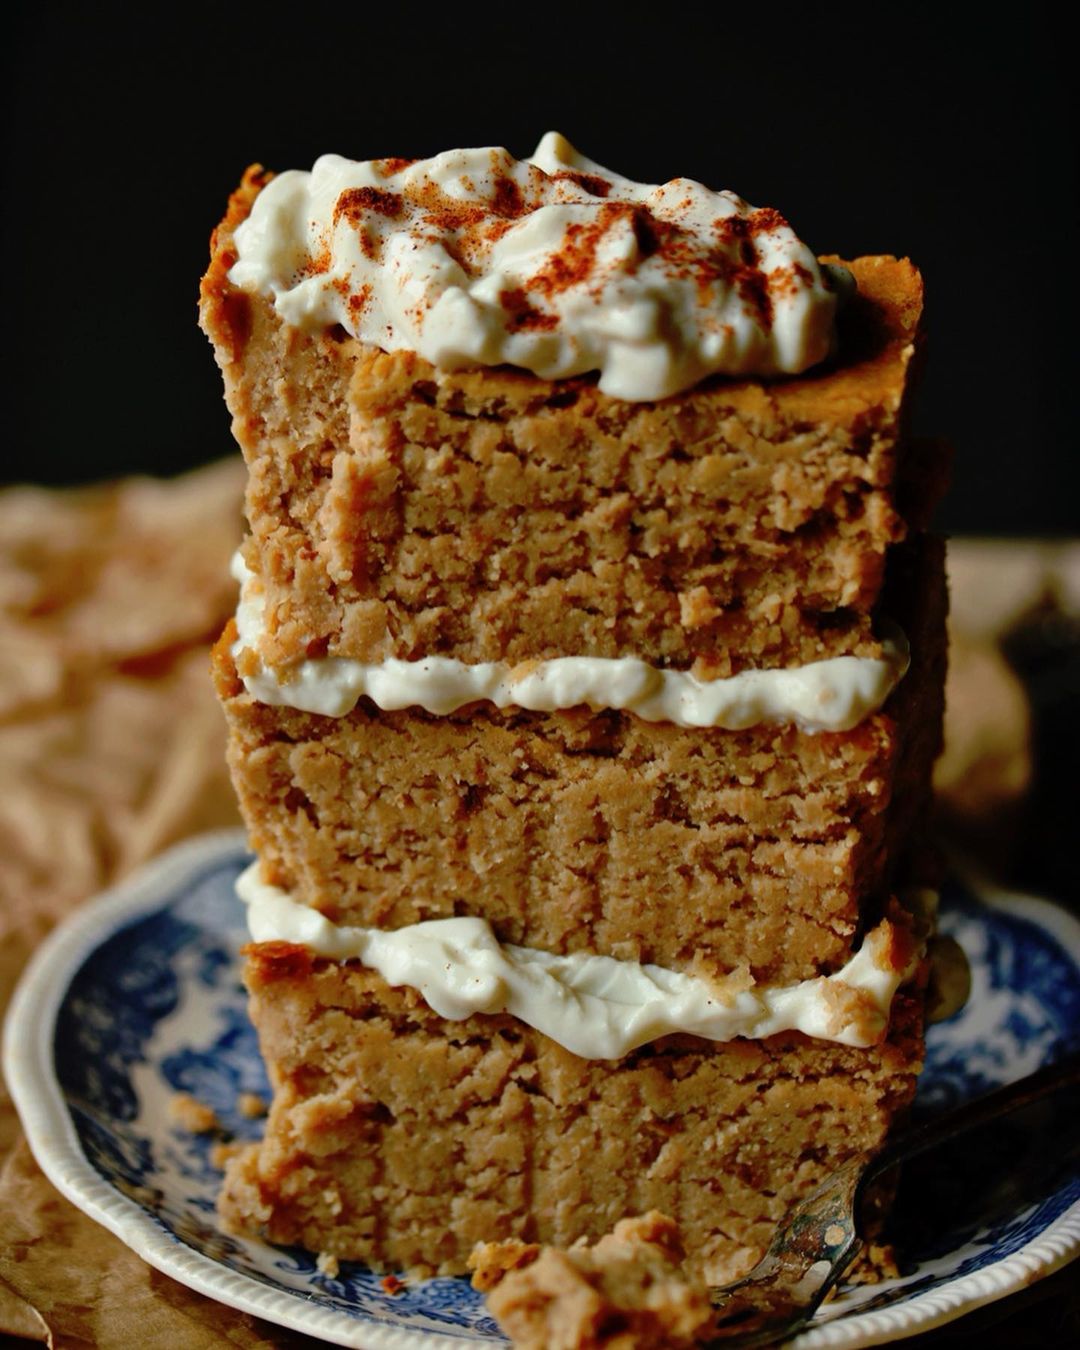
877,1262
222,1152
327,1264
697,607
251,1105
192,1115
490,1261
626,1290
390,1284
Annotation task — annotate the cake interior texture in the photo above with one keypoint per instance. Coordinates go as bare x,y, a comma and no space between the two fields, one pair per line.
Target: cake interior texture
399,511
402,1140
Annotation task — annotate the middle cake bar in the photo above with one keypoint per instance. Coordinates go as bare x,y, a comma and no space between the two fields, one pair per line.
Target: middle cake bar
766,848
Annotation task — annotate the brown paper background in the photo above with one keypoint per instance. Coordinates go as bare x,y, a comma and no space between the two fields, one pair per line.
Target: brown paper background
111,748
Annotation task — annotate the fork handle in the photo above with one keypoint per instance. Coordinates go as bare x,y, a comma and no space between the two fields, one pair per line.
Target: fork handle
1001,1102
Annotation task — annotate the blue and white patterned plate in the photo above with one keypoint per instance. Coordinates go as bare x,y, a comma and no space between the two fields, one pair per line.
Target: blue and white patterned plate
137,997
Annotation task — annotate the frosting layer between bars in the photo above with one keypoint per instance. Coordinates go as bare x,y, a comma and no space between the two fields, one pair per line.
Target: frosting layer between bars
595,1006
830,695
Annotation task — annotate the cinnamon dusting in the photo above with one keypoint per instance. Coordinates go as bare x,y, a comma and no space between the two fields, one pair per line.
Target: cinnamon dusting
387,168
591,182
523,315
354,202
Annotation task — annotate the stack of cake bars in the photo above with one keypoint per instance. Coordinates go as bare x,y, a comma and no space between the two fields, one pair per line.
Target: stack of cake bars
400,511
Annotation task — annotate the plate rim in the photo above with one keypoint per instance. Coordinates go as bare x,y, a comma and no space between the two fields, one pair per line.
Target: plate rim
29,1068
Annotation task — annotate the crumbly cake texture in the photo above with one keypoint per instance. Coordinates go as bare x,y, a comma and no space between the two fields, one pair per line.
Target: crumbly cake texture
627,1290
402,1140
398,510
596,831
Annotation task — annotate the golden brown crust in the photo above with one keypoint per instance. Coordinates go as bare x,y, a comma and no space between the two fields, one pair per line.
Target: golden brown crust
217,295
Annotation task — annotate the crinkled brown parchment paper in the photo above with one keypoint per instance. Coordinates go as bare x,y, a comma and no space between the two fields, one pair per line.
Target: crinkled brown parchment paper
111,748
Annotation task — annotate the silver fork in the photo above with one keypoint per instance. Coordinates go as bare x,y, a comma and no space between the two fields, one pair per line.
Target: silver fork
819,1239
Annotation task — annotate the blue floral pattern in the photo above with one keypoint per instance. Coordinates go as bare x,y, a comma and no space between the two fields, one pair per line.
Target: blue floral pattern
157,1009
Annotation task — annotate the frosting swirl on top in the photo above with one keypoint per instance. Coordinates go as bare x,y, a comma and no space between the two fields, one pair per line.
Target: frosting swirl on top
553,264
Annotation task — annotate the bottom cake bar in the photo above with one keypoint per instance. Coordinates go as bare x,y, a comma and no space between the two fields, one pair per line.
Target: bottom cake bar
401,1139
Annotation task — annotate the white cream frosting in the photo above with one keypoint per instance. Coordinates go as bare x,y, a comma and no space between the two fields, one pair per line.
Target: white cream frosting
831,695
553,264
595,1006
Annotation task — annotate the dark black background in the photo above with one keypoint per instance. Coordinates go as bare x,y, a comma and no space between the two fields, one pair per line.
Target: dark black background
943,135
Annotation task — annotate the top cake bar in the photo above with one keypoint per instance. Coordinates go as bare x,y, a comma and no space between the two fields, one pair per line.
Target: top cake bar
398,510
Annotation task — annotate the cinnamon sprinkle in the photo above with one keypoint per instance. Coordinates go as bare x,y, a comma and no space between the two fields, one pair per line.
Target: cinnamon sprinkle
508,198
354,202
386,168
591,182
319,262
523,315
575,261
358,302
472,227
